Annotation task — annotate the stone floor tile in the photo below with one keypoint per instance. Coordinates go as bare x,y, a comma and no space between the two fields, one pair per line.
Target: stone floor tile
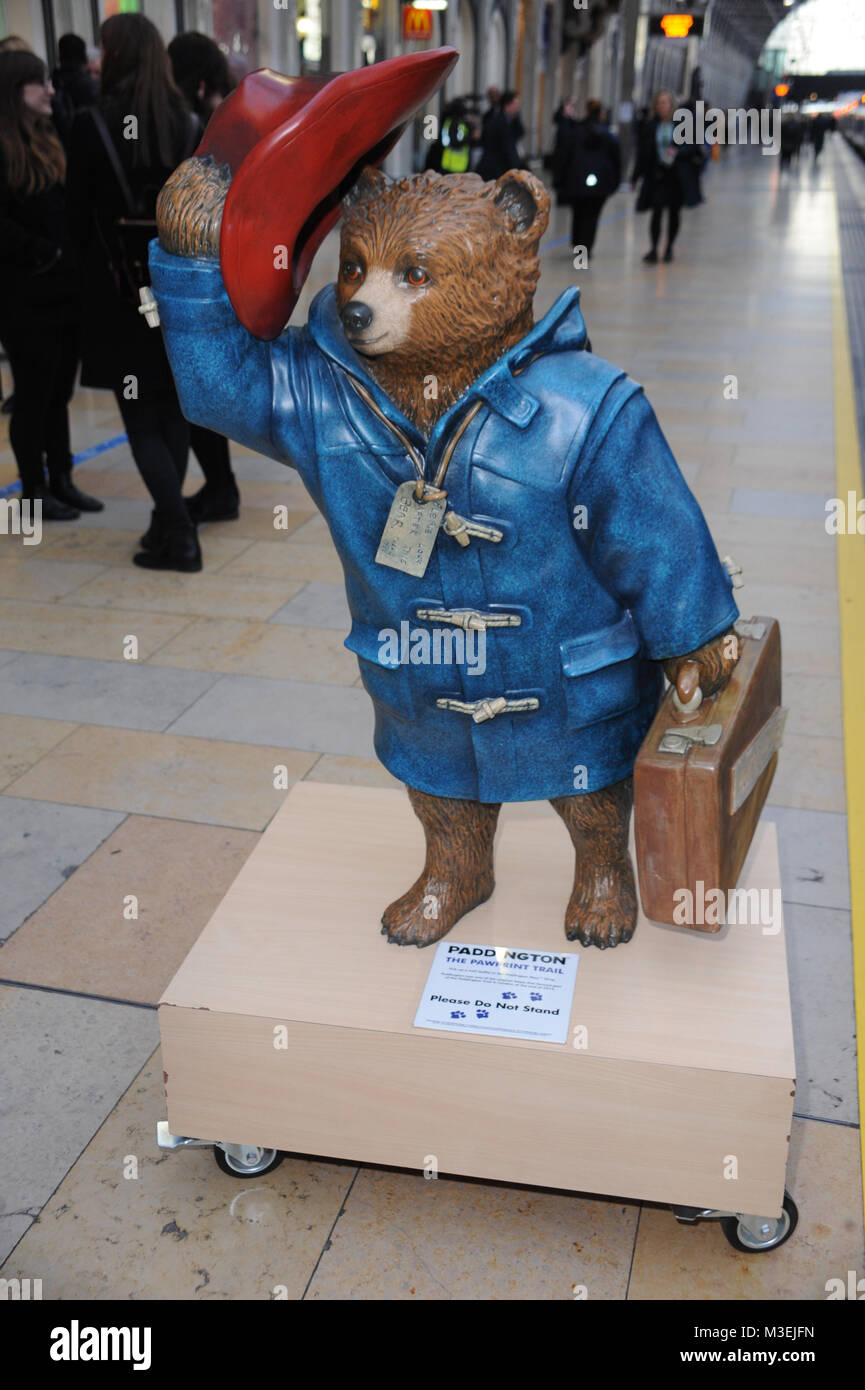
179,1228
43,581
255,523
401,1237
290,567
99,482
116,548
819,954
187,779
810,568
23,741
83,632
318,605
813,852
364,772
810,775
252,709
814,703
802,506
222,595
261,649
674,1261
41,845
66,1063
793,604
81,939
128,694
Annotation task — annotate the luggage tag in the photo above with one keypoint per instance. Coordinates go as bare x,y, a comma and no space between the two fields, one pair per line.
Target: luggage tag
410,531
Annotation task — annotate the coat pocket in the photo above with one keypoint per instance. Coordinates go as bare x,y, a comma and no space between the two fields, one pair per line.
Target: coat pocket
600,673
385,678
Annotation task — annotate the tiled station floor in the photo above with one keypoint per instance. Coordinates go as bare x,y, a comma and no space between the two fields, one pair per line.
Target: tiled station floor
154,778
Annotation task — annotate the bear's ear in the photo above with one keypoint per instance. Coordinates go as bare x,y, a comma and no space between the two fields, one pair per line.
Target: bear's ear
372,182
525,201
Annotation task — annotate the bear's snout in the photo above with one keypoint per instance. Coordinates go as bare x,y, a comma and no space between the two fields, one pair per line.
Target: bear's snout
356,316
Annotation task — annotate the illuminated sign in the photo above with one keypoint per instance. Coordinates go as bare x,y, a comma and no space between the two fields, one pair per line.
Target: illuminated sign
782,89
416,24
676,26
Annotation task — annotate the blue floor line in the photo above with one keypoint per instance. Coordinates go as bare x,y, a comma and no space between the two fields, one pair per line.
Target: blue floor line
83,457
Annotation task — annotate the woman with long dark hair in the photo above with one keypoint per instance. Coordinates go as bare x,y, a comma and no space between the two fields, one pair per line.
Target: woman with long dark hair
121,153
670,174
39,306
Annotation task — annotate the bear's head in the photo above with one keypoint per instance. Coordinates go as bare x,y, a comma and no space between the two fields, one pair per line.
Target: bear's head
437,277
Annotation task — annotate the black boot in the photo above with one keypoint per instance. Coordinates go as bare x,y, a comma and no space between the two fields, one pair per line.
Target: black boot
177,549
64,490
153,535
52,509
214,504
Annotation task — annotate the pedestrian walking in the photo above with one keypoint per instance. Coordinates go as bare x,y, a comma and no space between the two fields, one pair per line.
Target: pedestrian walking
669,175
587,170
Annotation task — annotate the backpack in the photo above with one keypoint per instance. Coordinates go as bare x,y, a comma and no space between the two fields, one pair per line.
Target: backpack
128,257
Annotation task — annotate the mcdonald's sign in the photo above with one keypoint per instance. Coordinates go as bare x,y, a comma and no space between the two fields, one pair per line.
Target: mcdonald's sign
416,24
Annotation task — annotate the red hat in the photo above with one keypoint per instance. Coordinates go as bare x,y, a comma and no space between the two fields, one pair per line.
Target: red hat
295,145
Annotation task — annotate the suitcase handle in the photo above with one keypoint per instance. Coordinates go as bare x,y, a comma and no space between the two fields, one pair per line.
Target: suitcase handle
684,708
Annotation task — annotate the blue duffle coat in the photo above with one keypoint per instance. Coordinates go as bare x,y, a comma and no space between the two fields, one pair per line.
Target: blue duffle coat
603,563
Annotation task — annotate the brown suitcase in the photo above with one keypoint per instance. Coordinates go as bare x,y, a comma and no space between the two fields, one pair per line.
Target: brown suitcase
700,783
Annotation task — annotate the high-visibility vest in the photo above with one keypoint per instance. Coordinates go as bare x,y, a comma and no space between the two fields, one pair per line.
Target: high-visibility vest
456,151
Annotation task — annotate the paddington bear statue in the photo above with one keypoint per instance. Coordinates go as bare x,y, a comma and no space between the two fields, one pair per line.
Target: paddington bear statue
479,471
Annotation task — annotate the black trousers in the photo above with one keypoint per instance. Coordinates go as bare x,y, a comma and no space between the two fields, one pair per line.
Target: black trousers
44,361
211,450
584,225
159,440
672,225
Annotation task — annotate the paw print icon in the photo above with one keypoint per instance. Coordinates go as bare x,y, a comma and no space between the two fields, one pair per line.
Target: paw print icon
457,1013
482,1013
535,996
509,994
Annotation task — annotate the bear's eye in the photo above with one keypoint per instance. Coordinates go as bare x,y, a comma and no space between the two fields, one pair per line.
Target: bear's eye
351,270
416,276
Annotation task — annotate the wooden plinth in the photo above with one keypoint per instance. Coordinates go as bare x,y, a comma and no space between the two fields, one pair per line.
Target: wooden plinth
688,1069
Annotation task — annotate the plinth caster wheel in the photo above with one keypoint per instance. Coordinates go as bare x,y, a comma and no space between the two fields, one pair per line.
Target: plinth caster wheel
753,1236
246,1160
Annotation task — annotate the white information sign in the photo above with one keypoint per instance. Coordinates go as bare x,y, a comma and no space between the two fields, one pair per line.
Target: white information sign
507,991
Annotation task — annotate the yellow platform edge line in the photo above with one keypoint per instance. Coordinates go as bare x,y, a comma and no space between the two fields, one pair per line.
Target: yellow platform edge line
851,599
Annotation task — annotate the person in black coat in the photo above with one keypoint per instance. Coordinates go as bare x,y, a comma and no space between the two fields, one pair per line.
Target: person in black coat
123,151
74,88
39,306
200,70
669,173
499,137
587,168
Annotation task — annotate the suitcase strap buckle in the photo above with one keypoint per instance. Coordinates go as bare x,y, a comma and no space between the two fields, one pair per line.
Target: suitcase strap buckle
681,740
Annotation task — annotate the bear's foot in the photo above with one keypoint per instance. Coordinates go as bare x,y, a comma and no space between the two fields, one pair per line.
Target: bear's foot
431,907
603,907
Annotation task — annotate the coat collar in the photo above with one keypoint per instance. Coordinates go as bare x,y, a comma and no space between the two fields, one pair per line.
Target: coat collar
561,329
